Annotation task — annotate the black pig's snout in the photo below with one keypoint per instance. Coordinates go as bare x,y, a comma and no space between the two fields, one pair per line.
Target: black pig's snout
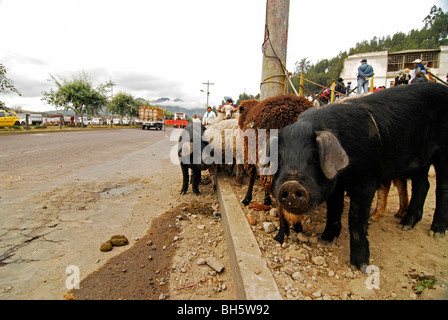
293,197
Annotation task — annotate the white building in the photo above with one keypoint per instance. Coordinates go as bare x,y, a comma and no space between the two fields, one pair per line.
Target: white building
386,65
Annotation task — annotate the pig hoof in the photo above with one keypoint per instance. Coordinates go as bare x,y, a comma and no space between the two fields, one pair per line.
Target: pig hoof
363,268
406,228
439,235
298,227
327,238
245,202
279,238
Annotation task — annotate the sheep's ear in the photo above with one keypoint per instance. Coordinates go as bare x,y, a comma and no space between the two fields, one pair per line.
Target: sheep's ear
332,157
220,110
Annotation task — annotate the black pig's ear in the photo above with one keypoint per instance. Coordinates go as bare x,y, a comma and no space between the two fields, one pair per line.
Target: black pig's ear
332,156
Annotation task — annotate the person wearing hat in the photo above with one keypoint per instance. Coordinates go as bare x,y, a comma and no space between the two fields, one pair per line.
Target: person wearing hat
418,66
365,71
403,77
229,101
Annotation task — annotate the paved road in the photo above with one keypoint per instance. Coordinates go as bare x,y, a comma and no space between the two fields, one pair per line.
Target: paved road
63,194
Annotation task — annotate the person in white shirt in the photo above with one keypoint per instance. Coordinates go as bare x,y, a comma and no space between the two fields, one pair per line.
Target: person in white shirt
196,119
209,117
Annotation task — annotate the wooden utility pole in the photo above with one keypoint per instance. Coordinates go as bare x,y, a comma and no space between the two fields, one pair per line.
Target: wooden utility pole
273,78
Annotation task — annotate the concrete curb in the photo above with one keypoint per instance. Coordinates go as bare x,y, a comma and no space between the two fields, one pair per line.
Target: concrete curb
251,276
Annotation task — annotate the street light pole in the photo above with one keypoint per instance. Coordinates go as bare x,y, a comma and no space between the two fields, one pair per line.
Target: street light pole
208,91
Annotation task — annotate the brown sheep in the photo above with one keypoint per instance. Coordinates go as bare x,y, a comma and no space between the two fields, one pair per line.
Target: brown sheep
244,108
272,113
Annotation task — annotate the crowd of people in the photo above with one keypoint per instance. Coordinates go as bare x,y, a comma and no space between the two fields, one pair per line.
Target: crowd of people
365,72
210,115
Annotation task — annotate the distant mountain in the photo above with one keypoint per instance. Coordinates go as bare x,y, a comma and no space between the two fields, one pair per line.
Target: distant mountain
164,103
59,112
165,99
190,112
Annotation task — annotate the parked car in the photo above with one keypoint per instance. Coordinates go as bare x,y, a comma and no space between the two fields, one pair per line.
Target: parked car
97,121
84,120
9,118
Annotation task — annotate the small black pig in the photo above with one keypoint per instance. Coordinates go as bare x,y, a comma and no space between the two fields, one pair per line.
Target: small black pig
356,145
190,147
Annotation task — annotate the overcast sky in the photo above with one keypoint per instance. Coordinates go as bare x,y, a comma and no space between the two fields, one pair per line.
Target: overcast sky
169,48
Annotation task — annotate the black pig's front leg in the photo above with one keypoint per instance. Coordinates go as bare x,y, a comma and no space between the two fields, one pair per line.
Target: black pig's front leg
195,180
185,178
360,203
283,231
335,206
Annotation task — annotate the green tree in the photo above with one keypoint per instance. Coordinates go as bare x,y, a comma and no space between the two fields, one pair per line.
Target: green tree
6,84
437,22
167,114
302,66
77,94
431,36
124,104
246,96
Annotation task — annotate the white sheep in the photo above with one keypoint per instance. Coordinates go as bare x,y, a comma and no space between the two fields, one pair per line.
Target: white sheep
226,112
222,135
223,128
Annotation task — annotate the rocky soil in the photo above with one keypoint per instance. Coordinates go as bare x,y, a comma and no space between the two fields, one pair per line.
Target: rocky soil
405,265
183,256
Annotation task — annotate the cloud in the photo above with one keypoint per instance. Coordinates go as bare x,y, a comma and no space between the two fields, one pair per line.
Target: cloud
30,87
141,82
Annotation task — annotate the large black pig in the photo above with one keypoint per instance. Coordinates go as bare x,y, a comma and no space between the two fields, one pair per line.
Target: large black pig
190,147
353,147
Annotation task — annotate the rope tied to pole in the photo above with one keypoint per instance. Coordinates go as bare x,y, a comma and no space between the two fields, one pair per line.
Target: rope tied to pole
285,74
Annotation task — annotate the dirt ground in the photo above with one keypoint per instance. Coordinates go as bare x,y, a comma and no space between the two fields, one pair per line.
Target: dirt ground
405,265
169,261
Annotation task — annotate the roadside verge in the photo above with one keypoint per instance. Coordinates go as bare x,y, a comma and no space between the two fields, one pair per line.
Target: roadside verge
252,278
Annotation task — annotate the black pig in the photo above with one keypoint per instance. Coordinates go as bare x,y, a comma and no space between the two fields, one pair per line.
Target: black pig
190,149
356,145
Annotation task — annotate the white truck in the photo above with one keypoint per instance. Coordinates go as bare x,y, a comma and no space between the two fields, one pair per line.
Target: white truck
34,119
